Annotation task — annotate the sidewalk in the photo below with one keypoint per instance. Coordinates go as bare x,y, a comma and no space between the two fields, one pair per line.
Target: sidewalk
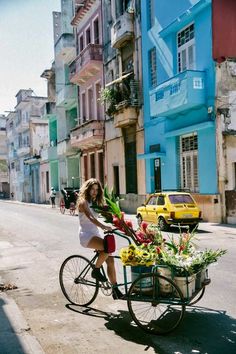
15,334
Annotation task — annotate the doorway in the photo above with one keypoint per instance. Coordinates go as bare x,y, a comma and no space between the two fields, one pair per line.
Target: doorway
157,174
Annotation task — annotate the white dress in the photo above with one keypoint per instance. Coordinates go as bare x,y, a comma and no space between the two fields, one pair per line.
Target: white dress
87,230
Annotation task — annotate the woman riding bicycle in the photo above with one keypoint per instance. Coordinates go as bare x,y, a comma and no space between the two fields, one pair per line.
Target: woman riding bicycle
89,233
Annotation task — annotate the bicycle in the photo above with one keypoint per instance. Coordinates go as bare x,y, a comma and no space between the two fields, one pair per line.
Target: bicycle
153,310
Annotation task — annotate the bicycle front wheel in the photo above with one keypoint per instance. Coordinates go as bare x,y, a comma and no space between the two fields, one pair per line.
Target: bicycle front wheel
76,281
153,310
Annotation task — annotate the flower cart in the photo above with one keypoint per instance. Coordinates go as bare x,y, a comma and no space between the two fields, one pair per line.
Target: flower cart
166,275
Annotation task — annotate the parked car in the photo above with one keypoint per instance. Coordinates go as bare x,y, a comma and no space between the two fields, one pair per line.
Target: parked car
170,208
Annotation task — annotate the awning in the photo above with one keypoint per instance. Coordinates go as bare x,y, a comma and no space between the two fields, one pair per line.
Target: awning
120,79
151,155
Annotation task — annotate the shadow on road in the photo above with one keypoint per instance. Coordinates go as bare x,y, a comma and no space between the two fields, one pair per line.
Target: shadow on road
203,330
9,341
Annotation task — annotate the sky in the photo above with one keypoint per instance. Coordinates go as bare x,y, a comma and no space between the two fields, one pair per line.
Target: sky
26,47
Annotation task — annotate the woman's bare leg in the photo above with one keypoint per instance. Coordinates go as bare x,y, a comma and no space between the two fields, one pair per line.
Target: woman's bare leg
111,271
97,244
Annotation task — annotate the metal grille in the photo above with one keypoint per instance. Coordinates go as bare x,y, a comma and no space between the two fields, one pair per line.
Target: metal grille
153,67
186,35
189,162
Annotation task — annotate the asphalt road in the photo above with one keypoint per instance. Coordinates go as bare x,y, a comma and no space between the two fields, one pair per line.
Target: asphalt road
34,240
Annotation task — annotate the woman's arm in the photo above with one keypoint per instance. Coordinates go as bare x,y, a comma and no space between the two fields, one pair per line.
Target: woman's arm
83,207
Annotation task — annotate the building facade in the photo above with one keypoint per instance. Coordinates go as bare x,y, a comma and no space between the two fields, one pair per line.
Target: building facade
4,173
123,101
67,164
86,71
179,101
27,134
224,54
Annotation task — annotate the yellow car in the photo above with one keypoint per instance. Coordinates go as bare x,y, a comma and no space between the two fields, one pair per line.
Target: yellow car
170,208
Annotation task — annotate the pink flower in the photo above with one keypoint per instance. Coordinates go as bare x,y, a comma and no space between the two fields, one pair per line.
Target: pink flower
144,226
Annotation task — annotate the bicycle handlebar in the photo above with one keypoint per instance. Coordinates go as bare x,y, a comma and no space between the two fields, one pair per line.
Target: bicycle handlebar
121,234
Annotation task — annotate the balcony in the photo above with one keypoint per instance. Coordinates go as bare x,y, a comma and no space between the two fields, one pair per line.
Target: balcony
185,91
122,30
87,64
65,48
52,153
48,110
22,126
23,150
88,135
124,101
64,148
44,154
67,96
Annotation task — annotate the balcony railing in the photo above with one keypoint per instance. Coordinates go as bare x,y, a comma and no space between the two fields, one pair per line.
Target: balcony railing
67,96
88,135
65,47
64,148
122,30
184,91
123,93
23,150
87,64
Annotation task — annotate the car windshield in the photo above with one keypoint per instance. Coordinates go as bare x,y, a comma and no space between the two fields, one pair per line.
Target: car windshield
181,198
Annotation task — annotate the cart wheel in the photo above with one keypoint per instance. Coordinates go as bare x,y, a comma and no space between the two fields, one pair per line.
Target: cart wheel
154,311
198,297
76,282
62,206
72,208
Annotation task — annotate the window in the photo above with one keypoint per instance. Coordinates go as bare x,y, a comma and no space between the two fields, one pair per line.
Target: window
152,66
161,200
92,166
234,171
96,31
186,49
150,14
98,103
189,162
85,168
83,108
81,43
152,201
181,199
88,36
47,181
90,104
100,167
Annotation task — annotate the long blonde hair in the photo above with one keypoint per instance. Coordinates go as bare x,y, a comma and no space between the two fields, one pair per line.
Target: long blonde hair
84,193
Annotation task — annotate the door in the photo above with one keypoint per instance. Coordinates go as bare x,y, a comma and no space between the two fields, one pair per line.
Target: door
157,174
151,209
131,167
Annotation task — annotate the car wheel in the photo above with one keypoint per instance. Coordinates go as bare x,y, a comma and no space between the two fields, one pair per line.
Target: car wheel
139,219
163,226
193,227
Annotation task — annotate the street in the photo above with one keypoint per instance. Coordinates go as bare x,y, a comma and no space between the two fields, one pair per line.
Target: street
35,239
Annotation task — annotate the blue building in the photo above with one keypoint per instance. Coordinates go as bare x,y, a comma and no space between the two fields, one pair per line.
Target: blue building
179,100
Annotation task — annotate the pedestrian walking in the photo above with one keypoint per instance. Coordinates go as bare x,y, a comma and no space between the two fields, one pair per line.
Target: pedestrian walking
53,197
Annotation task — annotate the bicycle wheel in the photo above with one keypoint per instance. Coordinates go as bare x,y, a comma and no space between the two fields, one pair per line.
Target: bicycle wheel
198,297
154,311
76,282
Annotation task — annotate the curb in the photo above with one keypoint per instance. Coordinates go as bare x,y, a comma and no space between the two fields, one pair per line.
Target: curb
15,336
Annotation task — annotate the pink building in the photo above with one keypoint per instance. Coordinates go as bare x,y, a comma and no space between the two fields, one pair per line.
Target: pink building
86,71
